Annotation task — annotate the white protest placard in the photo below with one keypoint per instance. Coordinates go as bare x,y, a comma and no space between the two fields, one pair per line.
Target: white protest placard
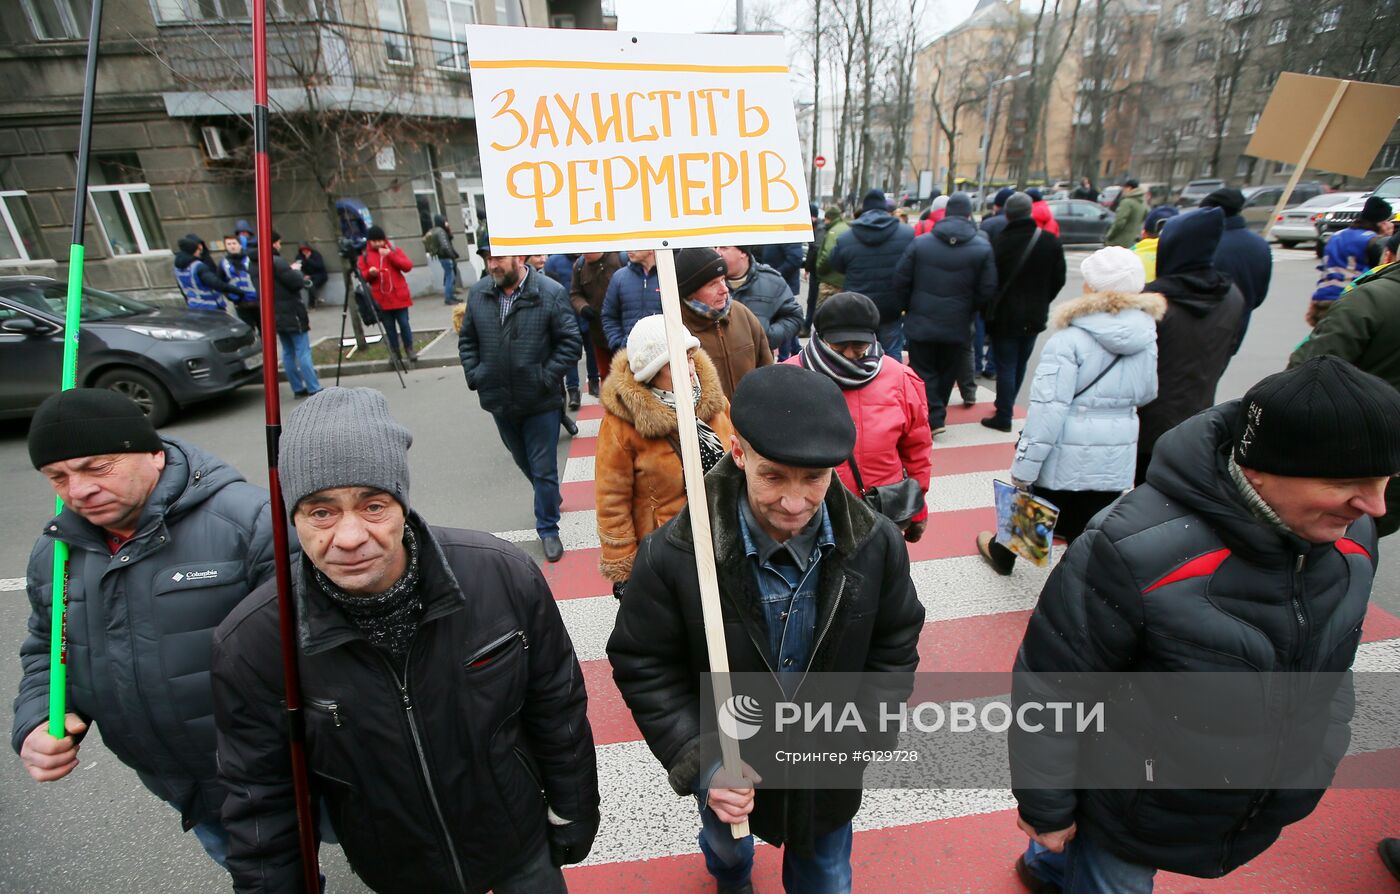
602,140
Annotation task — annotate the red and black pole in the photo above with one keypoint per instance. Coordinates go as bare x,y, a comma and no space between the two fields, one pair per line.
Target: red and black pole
296,728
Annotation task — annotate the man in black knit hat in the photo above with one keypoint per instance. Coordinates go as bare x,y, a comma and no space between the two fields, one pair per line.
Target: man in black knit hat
797,555
1250,549
446,718
164,541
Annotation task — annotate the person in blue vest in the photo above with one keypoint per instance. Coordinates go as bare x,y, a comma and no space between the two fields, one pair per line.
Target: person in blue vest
239,274
200,281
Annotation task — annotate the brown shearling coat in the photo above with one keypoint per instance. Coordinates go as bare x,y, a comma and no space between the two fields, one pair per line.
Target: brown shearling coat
638,478
737,344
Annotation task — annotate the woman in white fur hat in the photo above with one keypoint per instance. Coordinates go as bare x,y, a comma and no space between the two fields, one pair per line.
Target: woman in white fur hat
1079,446
638,479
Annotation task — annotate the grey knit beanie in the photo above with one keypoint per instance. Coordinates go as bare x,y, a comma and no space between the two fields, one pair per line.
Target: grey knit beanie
343,437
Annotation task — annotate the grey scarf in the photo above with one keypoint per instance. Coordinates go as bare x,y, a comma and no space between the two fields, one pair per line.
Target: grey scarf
388,619
710,313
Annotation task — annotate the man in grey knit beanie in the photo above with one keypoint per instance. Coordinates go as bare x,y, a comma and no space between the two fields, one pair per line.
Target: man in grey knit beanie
415,677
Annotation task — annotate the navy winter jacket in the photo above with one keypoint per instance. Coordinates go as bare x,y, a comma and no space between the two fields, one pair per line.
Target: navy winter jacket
633,293
943,279
866,253
765,293
1246,258
786,258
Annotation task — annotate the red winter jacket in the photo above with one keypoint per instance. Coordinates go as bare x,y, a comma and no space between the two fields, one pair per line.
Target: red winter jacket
892,433
926,225
1045,218
389,287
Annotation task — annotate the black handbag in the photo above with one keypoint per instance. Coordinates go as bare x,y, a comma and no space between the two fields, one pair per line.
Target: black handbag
899,502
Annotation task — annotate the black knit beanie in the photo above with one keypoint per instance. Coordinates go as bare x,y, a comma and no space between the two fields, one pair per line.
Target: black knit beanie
695,267
88,422
1322,419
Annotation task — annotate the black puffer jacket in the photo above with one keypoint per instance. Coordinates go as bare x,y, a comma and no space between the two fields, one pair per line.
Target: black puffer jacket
1180,576
1024,305
1195,337
766,294
519,366
140,623
866,603
287,284
866,253
436,774
943,279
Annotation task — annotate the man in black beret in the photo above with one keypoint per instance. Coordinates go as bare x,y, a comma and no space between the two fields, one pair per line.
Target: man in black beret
1251,549
164,540
811,579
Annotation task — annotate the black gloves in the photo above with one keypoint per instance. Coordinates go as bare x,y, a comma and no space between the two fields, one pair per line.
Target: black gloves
571,843
619,588
589,313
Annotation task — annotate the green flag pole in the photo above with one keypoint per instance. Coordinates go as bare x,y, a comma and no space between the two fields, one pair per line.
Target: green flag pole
58,633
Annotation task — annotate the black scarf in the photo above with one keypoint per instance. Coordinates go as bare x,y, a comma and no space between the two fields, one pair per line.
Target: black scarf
818,356
711,450
388,619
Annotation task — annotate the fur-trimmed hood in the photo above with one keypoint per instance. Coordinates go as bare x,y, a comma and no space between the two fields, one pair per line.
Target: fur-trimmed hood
633,402
1122,323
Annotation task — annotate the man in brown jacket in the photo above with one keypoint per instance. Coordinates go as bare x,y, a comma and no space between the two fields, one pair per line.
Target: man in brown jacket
592,273
728,331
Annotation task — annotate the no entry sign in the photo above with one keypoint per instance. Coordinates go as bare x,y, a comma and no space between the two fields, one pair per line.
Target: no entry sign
595,140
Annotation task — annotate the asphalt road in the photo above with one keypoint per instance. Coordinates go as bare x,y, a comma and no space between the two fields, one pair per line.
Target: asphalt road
99,830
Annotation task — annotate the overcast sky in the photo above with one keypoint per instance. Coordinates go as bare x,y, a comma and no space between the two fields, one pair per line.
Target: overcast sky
693,16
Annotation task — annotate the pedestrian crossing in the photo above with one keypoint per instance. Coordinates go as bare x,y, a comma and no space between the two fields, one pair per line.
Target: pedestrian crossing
908,841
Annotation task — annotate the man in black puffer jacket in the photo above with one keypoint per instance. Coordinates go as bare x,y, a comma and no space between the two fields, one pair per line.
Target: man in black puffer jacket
446,723
866,254
943,279
1250,550
518,340
164,541
1196,336
824,589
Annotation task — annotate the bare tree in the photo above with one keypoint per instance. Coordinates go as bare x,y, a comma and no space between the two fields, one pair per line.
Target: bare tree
1051,32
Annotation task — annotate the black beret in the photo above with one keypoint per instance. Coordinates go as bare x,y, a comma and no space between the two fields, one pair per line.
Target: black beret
695,267
88,422
793,416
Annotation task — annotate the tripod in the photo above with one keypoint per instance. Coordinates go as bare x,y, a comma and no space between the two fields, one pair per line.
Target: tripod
353,295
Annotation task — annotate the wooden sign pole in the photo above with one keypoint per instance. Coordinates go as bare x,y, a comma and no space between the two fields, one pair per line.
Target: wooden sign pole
1307,156
699,510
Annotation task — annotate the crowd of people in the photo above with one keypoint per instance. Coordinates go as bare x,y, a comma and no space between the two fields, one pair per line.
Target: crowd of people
445,717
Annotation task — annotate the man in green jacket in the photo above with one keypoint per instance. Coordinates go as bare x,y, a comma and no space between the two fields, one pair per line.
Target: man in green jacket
829,282
1363,328
1132,211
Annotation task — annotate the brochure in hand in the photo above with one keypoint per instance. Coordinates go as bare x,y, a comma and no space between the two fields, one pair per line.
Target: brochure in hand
1025,522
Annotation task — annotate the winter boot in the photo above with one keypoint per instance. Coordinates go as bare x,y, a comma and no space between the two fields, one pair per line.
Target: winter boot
574,398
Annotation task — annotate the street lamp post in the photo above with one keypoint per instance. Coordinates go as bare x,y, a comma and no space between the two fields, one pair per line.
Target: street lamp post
987,135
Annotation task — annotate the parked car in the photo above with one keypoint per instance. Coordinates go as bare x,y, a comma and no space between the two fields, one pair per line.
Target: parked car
1260,201
1082,222
1341,217
161,359
1297,224
1110,195
1193,192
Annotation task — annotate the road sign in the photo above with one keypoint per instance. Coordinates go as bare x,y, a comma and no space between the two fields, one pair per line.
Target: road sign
819,161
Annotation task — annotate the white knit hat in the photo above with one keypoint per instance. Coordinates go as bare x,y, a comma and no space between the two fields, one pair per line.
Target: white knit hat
646,347
1114,269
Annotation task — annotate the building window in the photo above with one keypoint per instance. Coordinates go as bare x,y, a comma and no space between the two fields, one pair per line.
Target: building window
1278,31
1205,51
178,12
125,211
1208,169
393,25
447,22
58,19
1270,79
509,12
1366,65
1188,127
1283,167
1253,122
20,239
1179,14
1195,90
1329,20
1242,166
1315,68
1390,157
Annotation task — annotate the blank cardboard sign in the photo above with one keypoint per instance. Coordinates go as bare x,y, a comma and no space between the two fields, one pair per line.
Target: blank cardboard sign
1358,128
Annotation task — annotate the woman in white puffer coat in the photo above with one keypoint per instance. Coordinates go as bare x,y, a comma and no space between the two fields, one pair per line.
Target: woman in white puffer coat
1079,446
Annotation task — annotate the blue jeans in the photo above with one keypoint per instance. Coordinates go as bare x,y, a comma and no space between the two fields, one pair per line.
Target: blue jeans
590,359
449,278
1086,868
533,442
730,859
296,360
396,326
1012,353
891,339
983,360
214,839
